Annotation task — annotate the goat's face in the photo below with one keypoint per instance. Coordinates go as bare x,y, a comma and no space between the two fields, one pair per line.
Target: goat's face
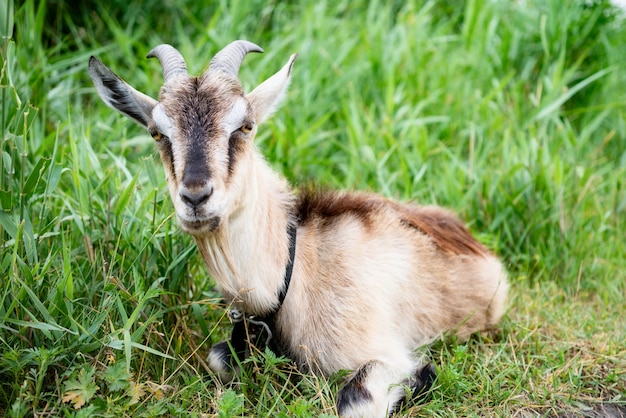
203,127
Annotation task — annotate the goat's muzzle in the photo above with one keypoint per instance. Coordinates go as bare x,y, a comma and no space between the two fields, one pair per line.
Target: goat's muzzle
195,209
195,197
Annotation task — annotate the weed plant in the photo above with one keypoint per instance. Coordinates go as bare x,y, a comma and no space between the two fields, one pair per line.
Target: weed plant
509,112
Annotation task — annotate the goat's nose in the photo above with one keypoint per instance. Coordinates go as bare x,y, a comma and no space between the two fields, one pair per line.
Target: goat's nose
196,197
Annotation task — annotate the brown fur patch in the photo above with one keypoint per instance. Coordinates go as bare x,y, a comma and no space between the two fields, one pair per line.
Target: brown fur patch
321,204
444,228
448,232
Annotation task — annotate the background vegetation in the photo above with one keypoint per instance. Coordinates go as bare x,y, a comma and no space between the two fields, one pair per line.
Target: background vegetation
509,112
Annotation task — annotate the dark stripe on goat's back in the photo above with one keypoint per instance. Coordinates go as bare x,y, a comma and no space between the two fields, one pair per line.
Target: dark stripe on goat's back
323,205
445,229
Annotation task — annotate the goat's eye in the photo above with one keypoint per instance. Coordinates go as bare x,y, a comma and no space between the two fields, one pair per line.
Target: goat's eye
246,128
156,135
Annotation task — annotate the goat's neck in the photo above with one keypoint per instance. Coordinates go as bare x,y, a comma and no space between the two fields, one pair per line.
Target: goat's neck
247,256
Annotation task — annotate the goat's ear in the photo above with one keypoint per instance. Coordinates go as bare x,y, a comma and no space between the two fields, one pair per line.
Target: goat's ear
266,98
116,93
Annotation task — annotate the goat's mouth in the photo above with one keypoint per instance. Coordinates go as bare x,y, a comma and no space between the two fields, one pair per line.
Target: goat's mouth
199,226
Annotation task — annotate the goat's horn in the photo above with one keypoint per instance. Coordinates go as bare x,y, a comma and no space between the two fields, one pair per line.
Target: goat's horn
230,57
171,60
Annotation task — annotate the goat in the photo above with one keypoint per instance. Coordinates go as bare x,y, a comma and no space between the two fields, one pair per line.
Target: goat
341,280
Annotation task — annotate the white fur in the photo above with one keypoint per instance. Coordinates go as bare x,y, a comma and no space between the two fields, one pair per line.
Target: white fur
234,118
162,121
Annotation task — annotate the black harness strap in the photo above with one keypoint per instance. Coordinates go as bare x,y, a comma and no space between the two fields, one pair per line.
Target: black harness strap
289,270
259,330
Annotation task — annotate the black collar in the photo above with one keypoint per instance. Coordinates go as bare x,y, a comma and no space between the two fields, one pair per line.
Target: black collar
293,228
268,318
262,327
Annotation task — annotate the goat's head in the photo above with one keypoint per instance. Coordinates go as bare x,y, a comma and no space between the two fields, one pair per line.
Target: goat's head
203,127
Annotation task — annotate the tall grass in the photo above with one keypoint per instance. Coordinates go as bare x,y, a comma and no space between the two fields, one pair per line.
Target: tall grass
510,113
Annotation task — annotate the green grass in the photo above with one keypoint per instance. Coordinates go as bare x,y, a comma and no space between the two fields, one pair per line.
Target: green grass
510,113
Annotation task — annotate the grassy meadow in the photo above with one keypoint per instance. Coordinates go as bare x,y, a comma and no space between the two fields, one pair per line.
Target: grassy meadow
511,113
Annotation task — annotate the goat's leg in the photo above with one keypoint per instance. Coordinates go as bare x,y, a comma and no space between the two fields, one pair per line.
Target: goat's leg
421,381
225,356
221,361
377,388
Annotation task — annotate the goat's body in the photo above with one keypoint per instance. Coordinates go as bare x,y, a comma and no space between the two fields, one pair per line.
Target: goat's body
373,280
367,287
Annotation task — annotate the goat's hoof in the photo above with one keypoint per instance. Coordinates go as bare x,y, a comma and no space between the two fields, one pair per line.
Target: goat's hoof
221,361
353,391
421,381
